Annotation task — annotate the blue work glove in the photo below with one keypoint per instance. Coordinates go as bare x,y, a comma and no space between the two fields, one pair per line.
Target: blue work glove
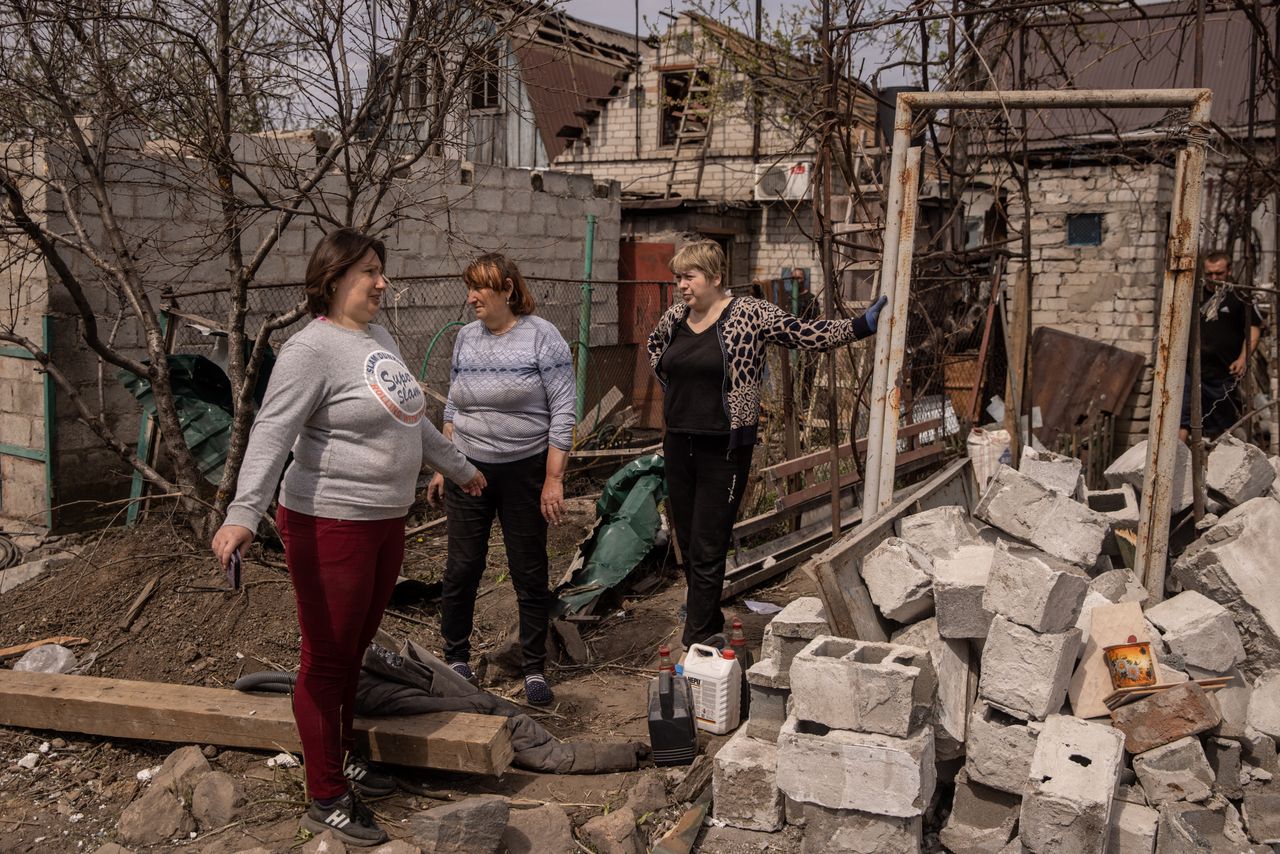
873,313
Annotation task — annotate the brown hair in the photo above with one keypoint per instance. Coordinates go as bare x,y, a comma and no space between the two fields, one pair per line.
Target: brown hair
335,254
1217,256
705,256
493,271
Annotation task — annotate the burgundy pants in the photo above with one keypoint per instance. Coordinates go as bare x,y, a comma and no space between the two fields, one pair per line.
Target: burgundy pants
343,574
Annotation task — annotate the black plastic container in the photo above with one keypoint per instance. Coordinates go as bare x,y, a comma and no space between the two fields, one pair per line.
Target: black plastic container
672,735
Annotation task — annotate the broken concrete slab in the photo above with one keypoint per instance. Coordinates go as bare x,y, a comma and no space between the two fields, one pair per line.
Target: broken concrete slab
1233,704
1111,585
1264,705
1056,525
1026,673
1131,467
1261,813
790,631
1055,472
768,699
1165,717
1233,564
862,686
957,685
1091,682
873,773
982,819
1260,751
544,829
1074,774
1238,471
1208,828
1120,507
22,573
1133,828
744,784
959,581
939,530
999,749
899,578
1177,771
1199,630
1224,758
1034,590
832,831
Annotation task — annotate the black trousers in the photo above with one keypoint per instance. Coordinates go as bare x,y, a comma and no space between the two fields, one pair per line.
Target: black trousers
705,484
514,495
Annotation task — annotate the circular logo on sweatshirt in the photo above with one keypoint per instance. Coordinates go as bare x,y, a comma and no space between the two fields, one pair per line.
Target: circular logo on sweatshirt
394,386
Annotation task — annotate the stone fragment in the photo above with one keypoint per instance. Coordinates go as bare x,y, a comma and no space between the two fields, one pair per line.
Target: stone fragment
790,631
1259,750
326,843
158,816
982,819
1200,630
863,686
1133,828
1177,771
1233,564
471,826
1034,591
1057,525
1208,828
614,833
112,848
397,846
1224,758
999,749
957,686
1233,703
899,579
544,829
768,700
1120,507
1274,491
861,771
215,800
647,795
182,769
1238,471
1131,468
958,584
1055,472
1264,705
1025,673
1070,789
745,784
939,530
1261,813
832,831
1110,585
1165,717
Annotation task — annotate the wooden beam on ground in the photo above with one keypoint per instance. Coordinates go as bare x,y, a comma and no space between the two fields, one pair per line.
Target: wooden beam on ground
838,569
188,714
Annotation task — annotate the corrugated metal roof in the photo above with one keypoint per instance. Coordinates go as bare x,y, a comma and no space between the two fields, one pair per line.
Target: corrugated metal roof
565,88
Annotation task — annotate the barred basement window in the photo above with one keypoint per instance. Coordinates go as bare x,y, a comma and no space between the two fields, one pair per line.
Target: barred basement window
1084,229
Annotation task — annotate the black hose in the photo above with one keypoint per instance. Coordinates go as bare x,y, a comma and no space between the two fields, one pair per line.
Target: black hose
10,554
267,681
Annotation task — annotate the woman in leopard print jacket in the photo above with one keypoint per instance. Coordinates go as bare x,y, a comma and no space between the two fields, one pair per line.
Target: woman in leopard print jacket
708,351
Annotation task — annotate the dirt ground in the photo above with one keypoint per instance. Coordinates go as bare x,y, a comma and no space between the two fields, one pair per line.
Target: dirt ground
73,798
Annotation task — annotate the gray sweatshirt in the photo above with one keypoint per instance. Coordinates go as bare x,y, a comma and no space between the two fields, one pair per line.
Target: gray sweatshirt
354,415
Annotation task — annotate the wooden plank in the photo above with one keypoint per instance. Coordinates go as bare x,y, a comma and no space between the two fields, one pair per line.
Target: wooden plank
190,714
838,569
809,461
848,479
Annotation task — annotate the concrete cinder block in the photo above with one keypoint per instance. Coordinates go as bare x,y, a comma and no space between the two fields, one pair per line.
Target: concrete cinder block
1133,828
953,665
959,581
1177,771
863,686
1261,813
1165,717
1189,828
768,701
982,819
744,784
1233,564
1238,471
790,631
1120,507
1131,467
938,530
873,773
1034,591
899,579
999,749
1233,702
1264,705
1057,525
831,831
1200,630
1025,673
1055,472
1073,778
1224,755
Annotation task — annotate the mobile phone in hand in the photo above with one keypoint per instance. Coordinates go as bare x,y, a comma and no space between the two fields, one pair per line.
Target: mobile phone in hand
233,570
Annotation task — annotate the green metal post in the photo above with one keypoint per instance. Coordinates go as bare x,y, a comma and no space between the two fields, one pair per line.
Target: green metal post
584,319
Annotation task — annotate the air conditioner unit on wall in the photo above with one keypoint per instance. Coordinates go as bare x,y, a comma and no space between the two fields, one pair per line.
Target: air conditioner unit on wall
789,181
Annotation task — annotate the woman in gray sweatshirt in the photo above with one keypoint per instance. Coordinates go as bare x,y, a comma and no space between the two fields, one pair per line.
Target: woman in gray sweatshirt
342,398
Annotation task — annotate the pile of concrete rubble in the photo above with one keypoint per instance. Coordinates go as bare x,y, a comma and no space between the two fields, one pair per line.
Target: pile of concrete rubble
985,715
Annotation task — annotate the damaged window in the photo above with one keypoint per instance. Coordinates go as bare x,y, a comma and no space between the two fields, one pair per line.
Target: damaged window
676,96
1084,229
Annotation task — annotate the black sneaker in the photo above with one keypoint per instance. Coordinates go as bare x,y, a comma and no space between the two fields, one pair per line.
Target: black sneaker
537,691
463,669
366,779
348,819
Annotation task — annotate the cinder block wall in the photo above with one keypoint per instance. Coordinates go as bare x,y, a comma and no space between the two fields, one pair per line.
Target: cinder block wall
447,214
1108,293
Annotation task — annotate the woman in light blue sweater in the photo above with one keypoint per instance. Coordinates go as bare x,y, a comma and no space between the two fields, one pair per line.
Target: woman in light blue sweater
511,412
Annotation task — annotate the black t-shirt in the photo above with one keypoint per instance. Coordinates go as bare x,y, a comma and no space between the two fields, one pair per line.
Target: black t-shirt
1222,339
694,366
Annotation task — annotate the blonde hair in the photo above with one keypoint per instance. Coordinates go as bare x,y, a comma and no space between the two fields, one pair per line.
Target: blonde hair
705,256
